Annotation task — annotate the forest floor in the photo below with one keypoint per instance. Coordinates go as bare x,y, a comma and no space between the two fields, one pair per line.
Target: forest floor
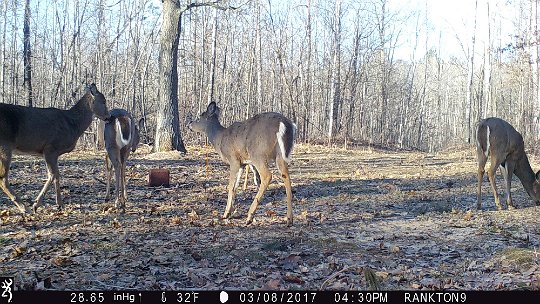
363,219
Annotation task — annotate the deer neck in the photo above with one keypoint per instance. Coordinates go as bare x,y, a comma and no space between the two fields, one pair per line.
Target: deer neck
81,113
525,173
214,131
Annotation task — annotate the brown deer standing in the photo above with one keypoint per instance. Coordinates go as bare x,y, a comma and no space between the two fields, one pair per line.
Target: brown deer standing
257,141
498,139
48,132
121,137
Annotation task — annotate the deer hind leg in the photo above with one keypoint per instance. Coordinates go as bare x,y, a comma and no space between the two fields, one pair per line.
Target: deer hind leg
234,178
5,160
124,186
109,173
491,174
508,170
266,177
53,175
482,159
117,181
284,170
123,178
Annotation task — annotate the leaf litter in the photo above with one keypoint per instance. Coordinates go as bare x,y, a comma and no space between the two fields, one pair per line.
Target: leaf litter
364,219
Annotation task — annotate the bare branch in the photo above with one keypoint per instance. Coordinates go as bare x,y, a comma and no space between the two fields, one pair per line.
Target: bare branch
215,4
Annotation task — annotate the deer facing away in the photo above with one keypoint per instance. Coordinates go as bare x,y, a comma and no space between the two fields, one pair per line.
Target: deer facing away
497,139
263,138
48,132
121,137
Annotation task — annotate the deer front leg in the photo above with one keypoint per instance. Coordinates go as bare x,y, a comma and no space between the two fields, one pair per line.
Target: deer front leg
244,187
266,177
234,177
508,170
52,176
118,185
108,173
491,174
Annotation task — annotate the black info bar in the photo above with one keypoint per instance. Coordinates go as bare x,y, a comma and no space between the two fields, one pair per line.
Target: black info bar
259,296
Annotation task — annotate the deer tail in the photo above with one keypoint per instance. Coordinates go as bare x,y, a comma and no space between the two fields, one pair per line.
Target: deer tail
123,131
482,138
285,137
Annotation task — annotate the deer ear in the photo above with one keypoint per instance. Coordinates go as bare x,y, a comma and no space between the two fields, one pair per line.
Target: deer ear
212,109
92,89
537,175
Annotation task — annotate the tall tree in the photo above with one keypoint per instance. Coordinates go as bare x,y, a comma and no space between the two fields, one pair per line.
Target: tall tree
335,103
27,54
470,73
168,135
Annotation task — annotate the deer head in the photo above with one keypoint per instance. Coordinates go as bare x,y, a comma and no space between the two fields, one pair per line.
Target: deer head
99,106
207,118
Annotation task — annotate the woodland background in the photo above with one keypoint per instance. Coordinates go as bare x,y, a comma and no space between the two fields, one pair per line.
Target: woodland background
336,68
373,72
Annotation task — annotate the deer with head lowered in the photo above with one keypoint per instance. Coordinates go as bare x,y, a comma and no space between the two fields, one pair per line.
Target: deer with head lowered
121,137
48,132
497,139
263,138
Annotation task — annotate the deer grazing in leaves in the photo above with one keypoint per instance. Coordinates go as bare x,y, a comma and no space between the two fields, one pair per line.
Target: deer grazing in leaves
48,132
263,138
121,137
499,141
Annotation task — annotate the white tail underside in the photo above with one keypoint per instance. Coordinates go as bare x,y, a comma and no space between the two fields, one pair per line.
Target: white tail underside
280,137
120,140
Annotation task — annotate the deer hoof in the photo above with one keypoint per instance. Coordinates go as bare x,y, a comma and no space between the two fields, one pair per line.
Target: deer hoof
35,207
511,207
289,222
249,221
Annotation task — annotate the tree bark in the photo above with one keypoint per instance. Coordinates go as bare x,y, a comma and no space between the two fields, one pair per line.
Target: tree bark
168,135
336,75
468,101
27,55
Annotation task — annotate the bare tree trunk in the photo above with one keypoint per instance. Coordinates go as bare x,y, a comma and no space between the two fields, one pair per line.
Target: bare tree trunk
535,60
3,59
168,135
258,56
213,65
336,75
487,69
27,54
470,72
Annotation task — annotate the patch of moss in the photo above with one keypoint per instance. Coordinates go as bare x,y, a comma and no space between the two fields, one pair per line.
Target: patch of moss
520,257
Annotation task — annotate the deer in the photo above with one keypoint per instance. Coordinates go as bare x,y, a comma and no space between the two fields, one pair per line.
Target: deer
46,132
263,138
498,140
121,136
